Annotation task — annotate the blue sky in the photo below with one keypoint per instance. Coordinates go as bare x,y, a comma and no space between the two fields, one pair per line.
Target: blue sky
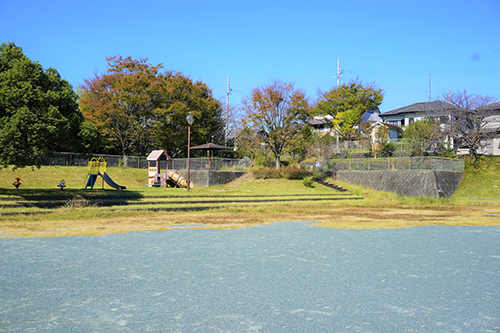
395,44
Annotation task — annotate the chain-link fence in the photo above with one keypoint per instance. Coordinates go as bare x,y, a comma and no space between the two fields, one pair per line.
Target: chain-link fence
210,164
388,164
359,148
70,159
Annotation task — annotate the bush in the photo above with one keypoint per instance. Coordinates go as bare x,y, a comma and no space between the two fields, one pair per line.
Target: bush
308,181
287,173
292,173
264,173
319,176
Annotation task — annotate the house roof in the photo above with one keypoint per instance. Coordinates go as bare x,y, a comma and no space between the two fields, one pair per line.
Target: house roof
493,106
371,116
419,108
318,121
380,123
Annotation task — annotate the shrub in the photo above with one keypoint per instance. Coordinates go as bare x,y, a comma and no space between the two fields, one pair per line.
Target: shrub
292,173
287,173
264,173
319,176
308,181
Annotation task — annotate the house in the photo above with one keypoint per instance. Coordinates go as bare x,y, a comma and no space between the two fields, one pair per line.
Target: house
322,125
442,111
392,131
418,111
490,141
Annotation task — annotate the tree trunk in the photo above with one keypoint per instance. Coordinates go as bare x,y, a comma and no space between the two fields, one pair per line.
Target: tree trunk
278,164
125,157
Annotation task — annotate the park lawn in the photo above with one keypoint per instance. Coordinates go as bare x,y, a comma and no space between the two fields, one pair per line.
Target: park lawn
80,216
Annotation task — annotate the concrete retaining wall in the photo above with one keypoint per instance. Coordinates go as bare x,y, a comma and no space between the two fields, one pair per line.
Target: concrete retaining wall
204,178
409,183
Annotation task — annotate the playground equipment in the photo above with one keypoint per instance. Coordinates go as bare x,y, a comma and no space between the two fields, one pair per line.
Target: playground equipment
156,178
17,183
178,180
95,168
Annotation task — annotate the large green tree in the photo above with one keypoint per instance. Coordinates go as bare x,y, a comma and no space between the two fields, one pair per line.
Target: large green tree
137,106
38,111
175,97
275,115
347,104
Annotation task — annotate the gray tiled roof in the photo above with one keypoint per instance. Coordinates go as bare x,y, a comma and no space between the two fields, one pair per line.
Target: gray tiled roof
419,107
493,106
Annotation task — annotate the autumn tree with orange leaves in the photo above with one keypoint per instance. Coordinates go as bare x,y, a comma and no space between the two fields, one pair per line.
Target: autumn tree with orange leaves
275,115
136,106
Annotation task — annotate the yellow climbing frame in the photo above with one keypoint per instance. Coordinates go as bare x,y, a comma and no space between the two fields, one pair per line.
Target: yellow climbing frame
97,165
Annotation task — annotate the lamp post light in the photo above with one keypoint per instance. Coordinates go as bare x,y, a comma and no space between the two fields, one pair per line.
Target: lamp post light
189,120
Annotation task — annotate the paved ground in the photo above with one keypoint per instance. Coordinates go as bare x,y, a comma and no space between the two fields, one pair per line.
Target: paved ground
284,277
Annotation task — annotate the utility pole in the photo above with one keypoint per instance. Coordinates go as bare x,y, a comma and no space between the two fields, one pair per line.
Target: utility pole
339,72
228,92
430,87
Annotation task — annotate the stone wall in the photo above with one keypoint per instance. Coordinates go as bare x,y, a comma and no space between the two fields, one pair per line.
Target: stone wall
409,183
204,178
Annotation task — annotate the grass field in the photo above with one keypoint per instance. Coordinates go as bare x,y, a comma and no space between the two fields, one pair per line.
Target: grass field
49,212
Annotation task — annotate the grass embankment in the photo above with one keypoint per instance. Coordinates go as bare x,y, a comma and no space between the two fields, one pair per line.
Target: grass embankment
249,202
481,179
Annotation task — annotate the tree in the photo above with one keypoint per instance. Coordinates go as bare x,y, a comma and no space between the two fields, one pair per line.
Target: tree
38,111
274,115
347,104
469,120
176,96
422,134
119,103
380,145
137,106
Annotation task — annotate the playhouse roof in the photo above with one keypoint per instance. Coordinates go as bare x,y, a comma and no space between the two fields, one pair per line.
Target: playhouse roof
156,155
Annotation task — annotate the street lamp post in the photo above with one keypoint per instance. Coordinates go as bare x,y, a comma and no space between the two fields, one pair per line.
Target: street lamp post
189,120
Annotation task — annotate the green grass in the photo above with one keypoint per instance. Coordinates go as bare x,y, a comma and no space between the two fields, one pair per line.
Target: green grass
47,177
80,215
481,179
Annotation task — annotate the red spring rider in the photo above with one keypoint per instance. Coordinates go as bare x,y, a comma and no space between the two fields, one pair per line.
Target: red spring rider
17,183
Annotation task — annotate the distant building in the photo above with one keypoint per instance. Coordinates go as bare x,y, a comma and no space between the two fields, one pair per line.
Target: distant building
392,130
408,114
322,125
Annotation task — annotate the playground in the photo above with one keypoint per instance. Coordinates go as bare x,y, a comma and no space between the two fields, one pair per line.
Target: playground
97,167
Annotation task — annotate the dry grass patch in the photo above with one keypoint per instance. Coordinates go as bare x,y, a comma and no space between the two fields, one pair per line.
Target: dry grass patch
331,215
378,210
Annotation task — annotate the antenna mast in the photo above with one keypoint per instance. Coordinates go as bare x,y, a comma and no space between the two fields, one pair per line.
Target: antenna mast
430,87
226,130
339,72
